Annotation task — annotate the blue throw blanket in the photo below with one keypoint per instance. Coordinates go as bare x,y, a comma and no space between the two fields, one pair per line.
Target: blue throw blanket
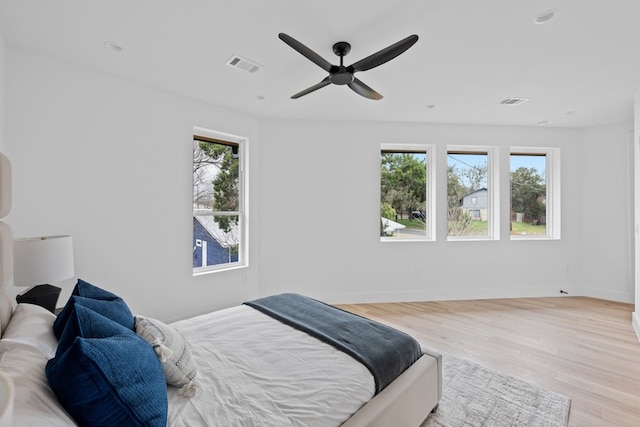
385,351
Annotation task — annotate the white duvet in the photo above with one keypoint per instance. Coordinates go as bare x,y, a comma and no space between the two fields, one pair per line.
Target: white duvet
255,371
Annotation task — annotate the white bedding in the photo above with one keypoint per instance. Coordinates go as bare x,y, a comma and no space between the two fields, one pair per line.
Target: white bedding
247,380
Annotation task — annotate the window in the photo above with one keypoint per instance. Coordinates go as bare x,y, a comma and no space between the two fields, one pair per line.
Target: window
219,220
535,192
407,211
472,208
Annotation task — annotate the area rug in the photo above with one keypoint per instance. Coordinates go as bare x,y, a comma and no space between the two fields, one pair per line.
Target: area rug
474,396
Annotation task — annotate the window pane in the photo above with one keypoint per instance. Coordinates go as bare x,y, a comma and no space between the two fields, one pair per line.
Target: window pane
216,240
215,176
467,194
217,206
403,194
528,194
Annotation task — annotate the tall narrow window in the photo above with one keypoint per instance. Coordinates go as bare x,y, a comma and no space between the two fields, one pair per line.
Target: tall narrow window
534,209
218,202
471,206
406,191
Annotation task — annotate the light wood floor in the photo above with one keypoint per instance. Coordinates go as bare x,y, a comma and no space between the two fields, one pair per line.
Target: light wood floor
581,347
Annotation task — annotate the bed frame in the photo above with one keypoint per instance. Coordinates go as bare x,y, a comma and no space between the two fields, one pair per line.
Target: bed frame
407,401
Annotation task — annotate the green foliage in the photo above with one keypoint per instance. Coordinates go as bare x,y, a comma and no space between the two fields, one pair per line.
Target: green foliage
224,191
528,192
387,211
403,182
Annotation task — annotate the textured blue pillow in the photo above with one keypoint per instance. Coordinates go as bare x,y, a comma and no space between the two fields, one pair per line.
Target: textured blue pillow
99,300
87,323
87,290
114,381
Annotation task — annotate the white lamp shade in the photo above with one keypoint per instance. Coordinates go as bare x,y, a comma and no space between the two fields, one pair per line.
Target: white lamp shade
40,260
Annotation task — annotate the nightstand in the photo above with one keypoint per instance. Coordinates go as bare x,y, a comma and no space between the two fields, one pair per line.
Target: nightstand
43,295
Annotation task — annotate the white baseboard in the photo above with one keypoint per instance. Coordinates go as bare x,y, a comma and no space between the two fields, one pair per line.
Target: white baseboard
635,321
619,296
441,295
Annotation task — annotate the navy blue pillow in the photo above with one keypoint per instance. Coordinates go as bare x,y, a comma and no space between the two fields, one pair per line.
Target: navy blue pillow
87,290
113,381
87,323
99,300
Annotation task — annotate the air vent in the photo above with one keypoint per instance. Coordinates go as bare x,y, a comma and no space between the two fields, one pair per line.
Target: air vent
513,101
243,64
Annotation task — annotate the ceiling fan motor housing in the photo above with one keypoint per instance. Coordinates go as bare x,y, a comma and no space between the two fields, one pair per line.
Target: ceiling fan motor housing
342,76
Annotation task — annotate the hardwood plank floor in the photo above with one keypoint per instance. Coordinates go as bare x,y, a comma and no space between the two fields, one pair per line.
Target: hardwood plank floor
584,348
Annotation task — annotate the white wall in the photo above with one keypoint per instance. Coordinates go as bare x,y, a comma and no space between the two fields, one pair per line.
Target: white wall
320,204
109,162
2,94
607,212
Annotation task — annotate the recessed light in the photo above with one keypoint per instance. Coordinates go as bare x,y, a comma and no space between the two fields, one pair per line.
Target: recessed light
431,106
542,122
260,97
545,16
114,46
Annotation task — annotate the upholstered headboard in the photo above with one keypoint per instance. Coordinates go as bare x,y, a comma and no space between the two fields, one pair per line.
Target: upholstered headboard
6,243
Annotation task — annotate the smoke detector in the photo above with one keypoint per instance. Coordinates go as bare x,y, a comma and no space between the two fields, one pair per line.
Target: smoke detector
243,64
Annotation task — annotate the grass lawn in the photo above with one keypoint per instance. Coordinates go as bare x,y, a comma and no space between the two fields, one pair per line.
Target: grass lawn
413,224
521,228
479,228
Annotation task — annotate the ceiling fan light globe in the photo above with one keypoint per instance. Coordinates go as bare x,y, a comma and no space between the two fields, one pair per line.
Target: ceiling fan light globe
341,78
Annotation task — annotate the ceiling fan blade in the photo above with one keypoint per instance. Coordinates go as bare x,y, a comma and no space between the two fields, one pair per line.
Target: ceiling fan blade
306,52
315,87
384,55
362,89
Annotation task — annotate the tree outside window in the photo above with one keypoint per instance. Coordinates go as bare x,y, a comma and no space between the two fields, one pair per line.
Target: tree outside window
217,203
404,193
528,194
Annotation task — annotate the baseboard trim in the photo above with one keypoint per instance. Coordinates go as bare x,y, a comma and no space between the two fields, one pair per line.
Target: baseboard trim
635,321
442,295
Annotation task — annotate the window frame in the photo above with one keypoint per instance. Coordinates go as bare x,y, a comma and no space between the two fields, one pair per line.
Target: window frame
553,188
242,143
430,188
493,190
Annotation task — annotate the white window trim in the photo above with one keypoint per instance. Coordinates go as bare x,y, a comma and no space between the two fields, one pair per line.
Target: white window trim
243,253
552,182
430,226
493,191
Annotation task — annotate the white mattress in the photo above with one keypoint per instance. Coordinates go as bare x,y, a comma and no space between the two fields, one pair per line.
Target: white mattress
256,371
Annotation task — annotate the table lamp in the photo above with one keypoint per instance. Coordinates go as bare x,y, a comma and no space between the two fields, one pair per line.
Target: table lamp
39,261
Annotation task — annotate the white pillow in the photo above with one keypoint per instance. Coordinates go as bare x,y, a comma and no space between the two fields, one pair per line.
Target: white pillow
34,404
170,346
30,326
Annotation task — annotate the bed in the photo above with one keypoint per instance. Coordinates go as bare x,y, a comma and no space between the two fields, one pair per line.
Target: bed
255,364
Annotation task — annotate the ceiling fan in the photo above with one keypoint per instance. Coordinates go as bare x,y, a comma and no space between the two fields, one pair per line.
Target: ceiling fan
341,75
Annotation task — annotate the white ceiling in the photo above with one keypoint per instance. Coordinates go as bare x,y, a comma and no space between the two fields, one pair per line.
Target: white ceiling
580,69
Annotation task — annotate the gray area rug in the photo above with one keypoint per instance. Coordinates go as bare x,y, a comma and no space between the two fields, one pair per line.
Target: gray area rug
475,396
